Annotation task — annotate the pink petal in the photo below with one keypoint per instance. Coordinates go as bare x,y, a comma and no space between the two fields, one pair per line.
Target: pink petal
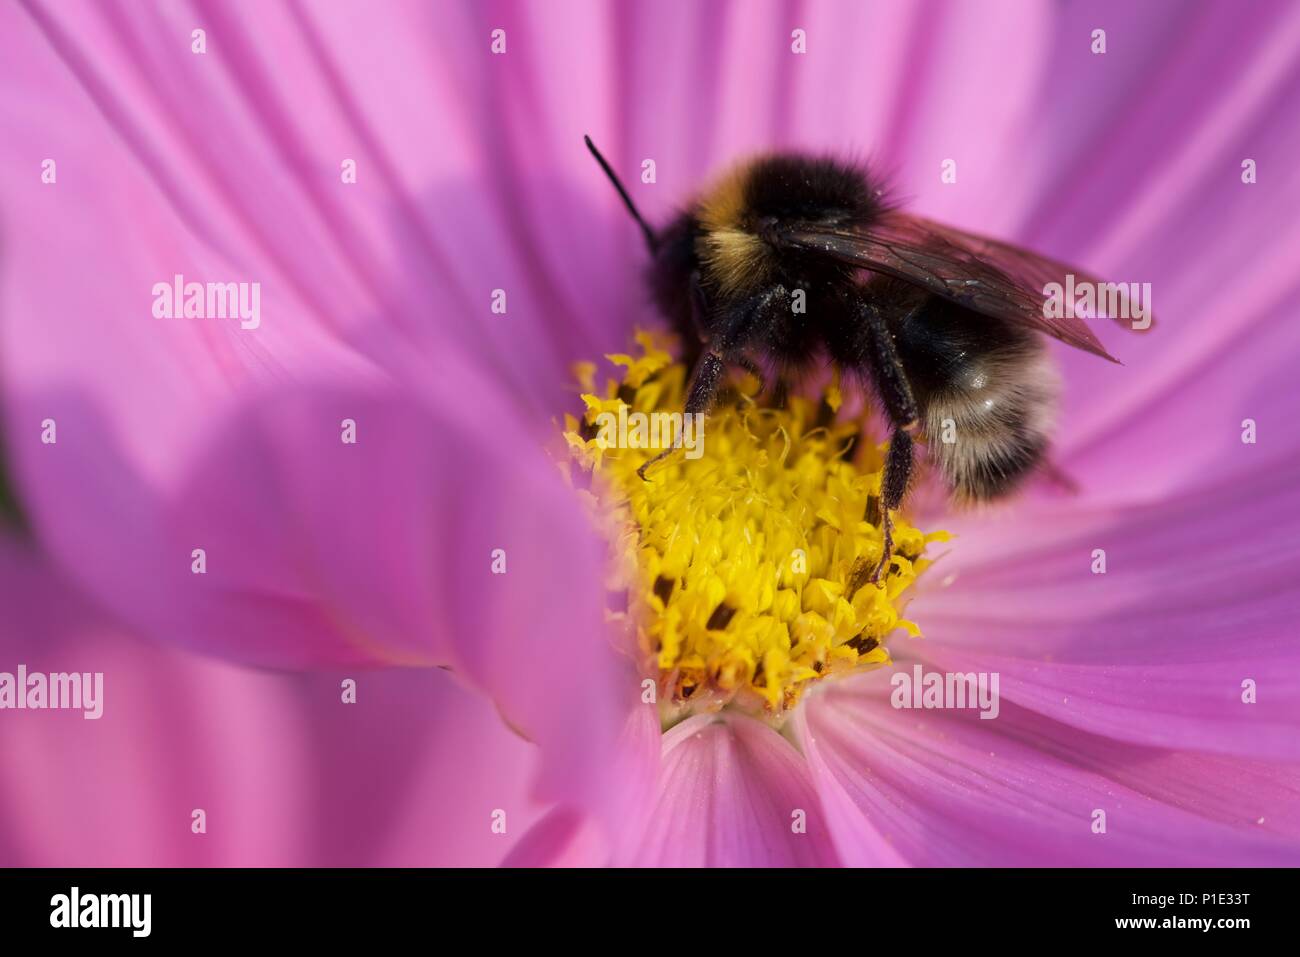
732,793
1154,651
949,788
568,838
564,838
287,774
398,544
321,553
1174,196
1192,706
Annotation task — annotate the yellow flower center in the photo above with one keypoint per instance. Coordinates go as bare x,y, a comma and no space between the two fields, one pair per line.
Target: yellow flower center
741,565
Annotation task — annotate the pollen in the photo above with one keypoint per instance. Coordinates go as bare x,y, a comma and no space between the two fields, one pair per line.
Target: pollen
741,563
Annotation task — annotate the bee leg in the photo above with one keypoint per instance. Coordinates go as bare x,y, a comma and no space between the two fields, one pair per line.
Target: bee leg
896,392
734,327
704,389
893,486
887,369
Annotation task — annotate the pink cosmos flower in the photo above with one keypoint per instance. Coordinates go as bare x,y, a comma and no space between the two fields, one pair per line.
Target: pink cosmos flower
137,150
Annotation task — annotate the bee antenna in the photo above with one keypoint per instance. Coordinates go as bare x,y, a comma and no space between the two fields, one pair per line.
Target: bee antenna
651,240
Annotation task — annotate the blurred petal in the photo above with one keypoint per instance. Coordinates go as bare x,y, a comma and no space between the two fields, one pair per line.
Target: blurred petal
441,537
287,774
321,553
568,838
352,278
564,838
943,788
399,267
203,435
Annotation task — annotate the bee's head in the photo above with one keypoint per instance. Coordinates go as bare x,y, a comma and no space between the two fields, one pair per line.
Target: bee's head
740,218
787,189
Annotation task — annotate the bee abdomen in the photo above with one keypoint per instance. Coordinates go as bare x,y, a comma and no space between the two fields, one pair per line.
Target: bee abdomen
990,427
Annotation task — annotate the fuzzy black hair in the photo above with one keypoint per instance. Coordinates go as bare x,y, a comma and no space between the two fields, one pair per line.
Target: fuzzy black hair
812,189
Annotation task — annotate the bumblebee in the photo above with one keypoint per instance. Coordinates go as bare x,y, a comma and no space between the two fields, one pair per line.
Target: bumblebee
789,258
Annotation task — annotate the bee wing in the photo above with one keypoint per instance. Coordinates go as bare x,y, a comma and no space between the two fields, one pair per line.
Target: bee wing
988,276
